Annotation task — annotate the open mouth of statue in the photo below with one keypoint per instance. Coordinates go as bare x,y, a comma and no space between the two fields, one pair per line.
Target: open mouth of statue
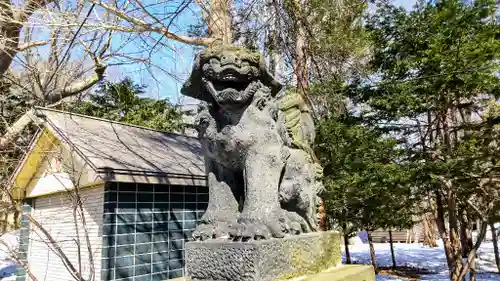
228,88
229,84
228,92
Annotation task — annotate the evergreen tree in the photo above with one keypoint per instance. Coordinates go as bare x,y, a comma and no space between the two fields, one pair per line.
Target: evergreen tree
122,101
437,89
367,182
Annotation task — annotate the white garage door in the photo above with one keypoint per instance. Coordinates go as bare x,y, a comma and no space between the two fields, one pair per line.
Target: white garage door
55,213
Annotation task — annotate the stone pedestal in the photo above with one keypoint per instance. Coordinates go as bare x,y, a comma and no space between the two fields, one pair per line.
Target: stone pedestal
267,260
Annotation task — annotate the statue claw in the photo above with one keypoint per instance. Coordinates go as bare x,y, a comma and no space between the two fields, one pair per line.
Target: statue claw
295,228
264,227
216,230
203,232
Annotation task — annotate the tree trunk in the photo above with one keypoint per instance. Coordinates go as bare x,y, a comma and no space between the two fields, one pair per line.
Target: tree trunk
472,273
5,221
472,255
442,229
495,245
301,70
322,215
219,20
393,256
463,239
13,19
372,251
10,30
346,245
346,237
448,242
428,231
9,41
300,51
456,252
465,235
468,235
17,218
301,58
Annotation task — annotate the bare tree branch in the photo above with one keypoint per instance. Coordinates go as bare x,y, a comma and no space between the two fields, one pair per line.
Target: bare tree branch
14,255
81,235
78,87
11,23
142,26
15,129
33,44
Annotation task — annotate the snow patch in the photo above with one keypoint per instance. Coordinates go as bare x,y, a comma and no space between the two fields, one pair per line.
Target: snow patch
417,255
8,267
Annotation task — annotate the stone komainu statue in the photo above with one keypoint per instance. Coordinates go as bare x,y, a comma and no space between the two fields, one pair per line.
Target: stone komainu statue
263,177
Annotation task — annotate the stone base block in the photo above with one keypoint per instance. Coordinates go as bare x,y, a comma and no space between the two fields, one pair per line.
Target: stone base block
267,260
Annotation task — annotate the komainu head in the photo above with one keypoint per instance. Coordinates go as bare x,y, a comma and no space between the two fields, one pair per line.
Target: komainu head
228,76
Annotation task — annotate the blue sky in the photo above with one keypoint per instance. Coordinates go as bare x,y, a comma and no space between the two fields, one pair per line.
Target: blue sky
178,64
405,3
170,62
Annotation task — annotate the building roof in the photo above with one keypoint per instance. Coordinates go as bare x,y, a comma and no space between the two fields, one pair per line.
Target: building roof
122,152
121,147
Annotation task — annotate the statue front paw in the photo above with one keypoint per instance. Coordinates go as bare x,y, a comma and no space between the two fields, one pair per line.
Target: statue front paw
212,230
265,226
258,226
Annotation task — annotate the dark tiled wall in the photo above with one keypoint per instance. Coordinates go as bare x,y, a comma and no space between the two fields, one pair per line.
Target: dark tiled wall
145,228
24,237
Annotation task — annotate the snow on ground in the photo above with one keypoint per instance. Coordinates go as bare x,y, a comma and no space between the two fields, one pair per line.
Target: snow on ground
416,255
8,267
